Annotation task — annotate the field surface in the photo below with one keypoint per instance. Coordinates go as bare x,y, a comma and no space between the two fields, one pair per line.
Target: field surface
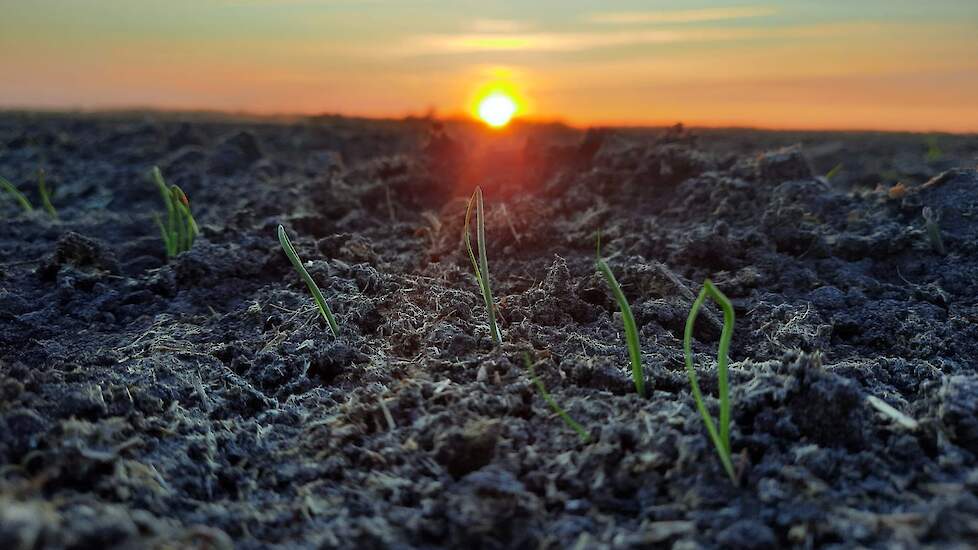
201,402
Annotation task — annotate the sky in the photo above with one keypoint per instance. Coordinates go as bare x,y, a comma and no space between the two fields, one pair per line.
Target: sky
856,64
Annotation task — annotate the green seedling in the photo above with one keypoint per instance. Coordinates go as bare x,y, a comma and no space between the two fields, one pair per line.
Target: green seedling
180,228
581,432
934,153
933,230
631,331
720,435
833,172
17,195
317,295
481,266
42,189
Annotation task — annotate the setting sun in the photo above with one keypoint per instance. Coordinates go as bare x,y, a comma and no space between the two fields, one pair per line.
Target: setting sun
497,109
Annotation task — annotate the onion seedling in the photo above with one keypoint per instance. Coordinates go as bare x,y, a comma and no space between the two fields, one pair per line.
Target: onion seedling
719,435
17,195
42,189
317,295
180,228
631,330
931,220
581,432
934,153
833,172
481,266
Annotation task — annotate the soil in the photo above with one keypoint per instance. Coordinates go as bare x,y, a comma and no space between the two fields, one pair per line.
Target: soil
201,402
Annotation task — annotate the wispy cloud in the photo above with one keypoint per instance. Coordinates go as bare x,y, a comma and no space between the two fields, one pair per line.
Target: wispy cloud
529,42
680,16
578,41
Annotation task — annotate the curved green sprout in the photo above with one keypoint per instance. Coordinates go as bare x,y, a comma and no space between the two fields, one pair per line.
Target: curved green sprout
12,190
180,228
42,189
581,432
317,295
833,172
631,330
481,267
720,436
934,153
931,222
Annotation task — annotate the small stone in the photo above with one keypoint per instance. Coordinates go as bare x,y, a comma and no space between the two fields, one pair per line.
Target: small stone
747,534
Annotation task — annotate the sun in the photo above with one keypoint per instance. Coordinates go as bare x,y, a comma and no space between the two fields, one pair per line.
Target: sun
497,109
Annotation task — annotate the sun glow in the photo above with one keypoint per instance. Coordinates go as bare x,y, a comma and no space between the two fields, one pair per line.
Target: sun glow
497,109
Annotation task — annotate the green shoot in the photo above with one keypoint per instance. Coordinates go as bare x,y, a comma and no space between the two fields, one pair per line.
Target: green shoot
42,188
933,230
317,295
720,436
833,172
180,228
17,195
934,153
581,432
481,267
631,331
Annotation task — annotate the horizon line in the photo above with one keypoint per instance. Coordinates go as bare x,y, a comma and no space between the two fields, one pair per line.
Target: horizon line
457,116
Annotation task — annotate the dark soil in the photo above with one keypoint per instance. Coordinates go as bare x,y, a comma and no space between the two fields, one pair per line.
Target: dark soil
202,402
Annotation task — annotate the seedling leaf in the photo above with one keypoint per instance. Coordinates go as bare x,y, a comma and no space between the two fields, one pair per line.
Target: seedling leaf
317,295
581,432
42,188
931,222
934,153
720,436
481,266
11,189
833,172
631,330
179,229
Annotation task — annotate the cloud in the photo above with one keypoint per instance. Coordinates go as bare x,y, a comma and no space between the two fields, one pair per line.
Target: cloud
680,16
578,41
527,42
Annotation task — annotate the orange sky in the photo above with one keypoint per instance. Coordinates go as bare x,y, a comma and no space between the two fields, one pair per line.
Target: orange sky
867,64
